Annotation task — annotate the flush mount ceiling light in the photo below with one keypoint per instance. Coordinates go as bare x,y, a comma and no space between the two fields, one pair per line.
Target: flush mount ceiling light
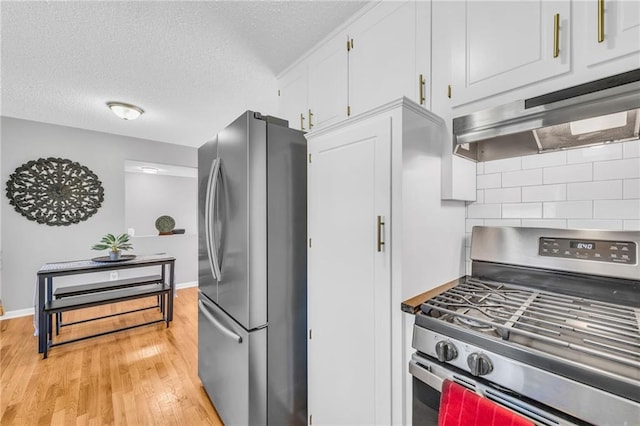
125,111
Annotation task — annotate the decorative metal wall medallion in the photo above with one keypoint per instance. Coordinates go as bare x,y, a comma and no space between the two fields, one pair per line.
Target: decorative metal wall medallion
55,191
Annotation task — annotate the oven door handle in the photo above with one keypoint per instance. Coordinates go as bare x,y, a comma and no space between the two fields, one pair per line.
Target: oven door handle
424,374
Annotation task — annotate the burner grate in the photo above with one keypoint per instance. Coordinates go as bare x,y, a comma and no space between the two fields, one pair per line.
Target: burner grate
525,316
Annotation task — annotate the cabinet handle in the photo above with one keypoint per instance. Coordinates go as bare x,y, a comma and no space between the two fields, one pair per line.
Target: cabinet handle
556,35
422,87
600,21
302,122
380,233
310,116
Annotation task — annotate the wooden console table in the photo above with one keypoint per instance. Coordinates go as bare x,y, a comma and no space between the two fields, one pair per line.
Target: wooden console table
122,290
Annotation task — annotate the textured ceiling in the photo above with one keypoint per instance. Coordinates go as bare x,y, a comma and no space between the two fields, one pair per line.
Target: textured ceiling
192,66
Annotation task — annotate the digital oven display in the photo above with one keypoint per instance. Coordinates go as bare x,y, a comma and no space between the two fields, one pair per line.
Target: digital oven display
582,245
625,252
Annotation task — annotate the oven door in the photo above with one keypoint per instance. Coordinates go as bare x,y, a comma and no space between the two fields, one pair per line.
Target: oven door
428,376
426,395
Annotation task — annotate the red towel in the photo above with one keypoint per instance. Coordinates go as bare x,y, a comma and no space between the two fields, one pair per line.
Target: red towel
461,407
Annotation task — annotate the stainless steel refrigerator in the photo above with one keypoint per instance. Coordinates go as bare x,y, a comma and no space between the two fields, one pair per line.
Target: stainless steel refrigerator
252,317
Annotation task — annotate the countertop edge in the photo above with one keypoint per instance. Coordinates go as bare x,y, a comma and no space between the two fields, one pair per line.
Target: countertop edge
412,305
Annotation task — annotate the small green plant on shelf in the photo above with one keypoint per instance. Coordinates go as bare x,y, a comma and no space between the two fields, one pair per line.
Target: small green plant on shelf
114,244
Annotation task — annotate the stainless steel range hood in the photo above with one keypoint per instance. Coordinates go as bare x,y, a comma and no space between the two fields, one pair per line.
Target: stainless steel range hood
551,122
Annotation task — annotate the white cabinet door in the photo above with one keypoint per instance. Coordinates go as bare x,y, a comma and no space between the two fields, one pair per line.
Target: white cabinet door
502,45
620,32
422,55
328,75
458,174
349,293
293,98
382,62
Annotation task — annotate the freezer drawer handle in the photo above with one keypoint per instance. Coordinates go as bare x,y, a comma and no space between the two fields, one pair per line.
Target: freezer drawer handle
215,322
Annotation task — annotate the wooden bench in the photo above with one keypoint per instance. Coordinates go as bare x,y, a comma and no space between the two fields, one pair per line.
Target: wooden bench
89,295
77,290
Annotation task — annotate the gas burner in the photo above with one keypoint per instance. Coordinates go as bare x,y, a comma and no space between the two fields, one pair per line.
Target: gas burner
475,324
476,310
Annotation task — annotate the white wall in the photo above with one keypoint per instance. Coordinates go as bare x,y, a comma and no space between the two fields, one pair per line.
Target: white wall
593,188
149,196
27,244
1,218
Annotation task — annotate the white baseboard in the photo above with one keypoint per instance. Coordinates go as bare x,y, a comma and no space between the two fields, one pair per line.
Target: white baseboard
17,313
187,285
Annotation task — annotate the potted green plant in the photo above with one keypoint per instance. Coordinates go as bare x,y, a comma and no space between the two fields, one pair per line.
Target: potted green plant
114,244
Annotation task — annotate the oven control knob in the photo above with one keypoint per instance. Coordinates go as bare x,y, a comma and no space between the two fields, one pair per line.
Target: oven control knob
446,351
479,364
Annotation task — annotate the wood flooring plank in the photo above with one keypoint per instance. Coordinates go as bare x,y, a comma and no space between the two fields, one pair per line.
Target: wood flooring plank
144,376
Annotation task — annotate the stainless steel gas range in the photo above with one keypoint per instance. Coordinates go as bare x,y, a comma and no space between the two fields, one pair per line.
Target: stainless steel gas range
547,325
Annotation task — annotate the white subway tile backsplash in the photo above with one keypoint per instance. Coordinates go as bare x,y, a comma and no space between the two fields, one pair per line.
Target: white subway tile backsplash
493,180
556,192
502,222
502,195
522,210
611,224
595,153
601,190
544,160
631,225
616,209
620,169
470,223
631,188
522,178
568,209
505,165
631,149
478,211
588,188
569,173
545,223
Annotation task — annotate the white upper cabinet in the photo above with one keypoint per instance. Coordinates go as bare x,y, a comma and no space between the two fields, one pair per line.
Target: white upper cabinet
502,45
390,52
458,174
314,93
381,55
293,98
609,29
327,77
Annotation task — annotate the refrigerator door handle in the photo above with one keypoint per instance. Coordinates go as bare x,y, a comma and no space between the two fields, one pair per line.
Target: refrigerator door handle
214,321
212,190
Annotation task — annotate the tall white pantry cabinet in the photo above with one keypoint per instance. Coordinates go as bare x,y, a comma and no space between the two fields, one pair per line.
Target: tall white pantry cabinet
378,234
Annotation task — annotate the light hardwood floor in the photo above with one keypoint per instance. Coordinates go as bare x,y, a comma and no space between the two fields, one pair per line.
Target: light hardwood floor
144,376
